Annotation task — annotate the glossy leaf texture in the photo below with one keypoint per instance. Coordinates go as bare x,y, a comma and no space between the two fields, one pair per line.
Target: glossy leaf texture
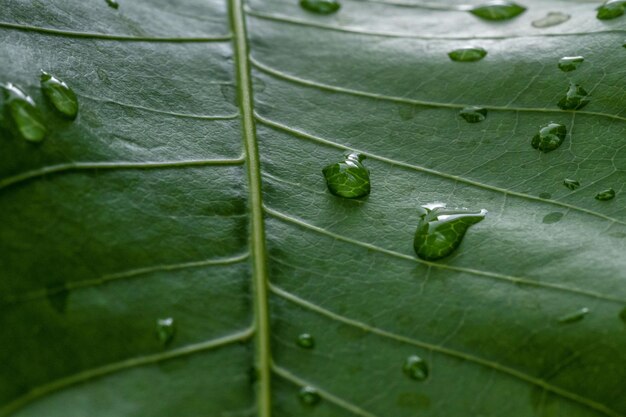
144,210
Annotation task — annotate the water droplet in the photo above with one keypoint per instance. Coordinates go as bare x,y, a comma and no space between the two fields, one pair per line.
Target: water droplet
306,341
611,9
165,329
571,184
348,179
440,231
605,195
551,19
24,113
622,315
58,296
320,6
552,217
575,316
570,63
415,368
545,196
468,54
309,396
498,10
60,95
113,4
473,114
550,137
576,98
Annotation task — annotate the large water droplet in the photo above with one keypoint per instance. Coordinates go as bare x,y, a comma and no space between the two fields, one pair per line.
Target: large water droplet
113,4
320,6
570,63
571,184
60,95
605,195
577,315
550,137
309,396
498,10
467,54
165,329
415,368
440,231
552,217
473,114
611,9
551,19
576,98
348,179
24,113
306,341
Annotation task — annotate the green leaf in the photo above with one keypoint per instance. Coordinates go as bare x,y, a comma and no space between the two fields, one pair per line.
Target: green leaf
190,187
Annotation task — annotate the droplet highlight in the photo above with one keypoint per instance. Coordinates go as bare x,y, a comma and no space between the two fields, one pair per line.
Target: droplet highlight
468,54
575,316
550,137
349,178
309,396
165,330
498,10
60,95
571,184
306,341
440,231
576,98
611,9
605,195
570,63
415,368
24,114
321,6
473,114
551,19
113,4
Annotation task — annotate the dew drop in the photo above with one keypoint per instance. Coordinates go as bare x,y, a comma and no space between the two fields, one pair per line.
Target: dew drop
309,396
611,9
622,315
165,329
113,4
440,231
306,341
551,19
571,184
550,137
349,178
577,315
467,54
415,368
576,98
570,63
320,6
552,217
473,114
60,95
498,10
545,196
605,195
24,113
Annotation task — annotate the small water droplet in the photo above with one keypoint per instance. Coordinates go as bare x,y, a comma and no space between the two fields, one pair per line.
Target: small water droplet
605,195
570,63
165,329
498,10
440,231
320,6
349,178
113,4
309,396
550,137
468,54
58,296
622,315
24,113
306,341
611,9
576,98
473,114
60,95
545,196
415,368
551,19
577,315
552,217
571,184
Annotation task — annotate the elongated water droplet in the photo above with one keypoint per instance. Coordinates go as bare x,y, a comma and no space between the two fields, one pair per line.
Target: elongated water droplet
622,315
611,9
551,19
165,329
577,315
605,195
576,98
306,341
468,54
309,396
498,10
571,184
24,113
440,231
473,114
552,217
113,4
321,6
570,63
550,137
348,179
415,368
60,95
